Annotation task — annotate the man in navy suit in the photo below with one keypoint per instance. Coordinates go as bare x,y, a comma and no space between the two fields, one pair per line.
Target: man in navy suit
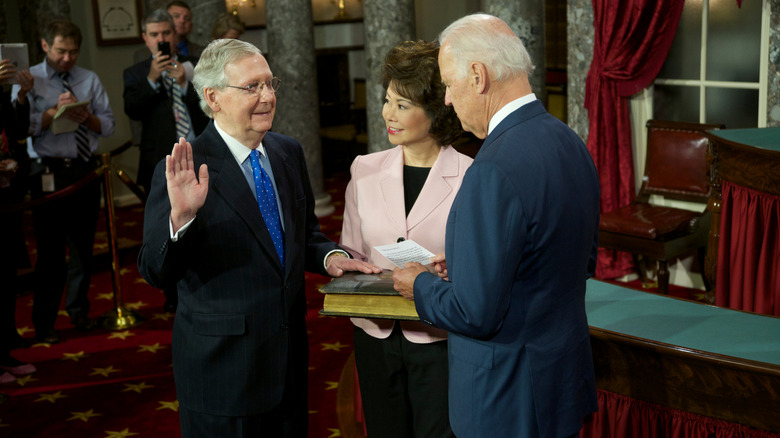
521,240
240,353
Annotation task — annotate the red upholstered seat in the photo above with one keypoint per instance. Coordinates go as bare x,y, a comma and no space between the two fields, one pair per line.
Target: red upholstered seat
676,168
648,221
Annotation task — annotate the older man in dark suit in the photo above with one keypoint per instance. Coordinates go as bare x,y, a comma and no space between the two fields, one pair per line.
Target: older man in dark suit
230,220
521,241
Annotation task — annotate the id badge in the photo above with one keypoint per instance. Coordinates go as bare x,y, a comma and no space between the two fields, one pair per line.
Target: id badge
47,181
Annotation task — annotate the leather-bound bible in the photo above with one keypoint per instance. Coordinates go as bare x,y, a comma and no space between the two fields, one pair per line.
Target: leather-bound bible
366,296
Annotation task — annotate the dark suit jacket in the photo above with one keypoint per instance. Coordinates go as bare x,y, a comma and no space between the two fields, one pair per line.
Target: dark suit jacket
155,111
521,240
240,324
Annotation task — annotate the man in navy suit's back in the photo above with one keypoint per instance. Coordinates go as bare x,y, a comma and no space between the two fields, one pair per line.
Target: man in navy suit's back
521,240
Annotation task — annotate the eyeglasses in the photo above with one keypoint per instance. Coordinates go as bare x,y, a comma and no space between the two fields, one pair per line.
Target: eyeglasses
257,88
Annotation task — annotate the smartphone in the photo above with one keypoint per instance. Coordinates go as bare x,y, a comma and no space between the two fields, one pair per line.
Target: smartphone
164,47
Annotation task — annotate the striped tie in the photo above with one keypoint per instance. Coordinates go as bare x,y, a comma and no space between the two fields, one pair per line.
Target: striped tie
82,140
266,199
179,112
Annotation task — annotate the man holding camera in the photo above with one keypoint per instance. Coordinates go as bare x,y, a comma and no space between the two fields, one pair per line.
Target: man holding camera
158,93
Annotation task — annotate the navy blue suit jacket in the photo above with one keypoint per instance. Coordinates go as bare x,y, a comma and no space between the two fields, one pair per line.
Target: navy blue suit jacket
521,240
240,324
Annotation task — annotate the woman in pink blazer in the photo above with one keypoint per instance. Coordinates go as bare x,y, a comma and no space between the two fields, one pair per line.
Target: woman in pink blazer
405,192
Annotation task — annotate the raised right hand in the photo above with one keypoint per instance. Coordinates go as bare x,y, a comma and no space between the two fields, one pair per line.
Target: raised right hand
186,192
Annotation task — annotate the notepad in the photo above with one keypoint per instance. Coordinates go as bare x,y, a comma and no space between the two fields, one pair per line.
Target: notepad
61,123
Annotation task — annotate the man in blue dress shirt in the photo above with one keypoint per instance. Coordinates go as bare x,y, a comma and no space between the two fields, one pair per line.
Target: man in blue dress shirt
65,157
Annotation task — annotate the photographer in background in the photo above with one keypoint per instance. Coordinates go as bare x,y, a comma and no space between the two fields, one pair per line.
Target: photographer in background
158,94
14,168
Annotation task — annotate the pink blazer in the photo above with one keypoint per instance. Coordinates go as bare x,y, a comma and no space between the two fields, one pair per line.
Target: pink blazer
374,214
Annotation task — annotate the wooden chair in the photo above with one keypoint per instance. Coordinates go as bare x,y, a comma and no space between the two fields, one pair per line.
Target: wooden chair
676,168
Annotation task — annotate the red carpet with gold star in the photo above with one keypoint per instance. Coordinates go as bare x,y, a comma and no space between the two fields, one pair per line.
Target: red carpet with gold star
119,383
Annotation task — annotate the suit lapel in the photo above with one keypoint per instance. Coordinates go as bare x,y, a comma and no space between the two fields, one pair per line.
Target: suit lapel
229,183
436,188
391,184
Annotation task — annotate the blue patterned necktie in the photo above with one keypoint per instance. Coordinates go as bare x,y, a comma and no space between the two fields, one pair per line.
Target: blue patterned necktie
82,141
179,112
266,199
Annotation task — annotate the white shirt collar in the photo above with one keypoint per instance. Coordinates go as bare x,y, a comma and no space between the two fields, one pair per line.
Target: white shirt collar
239,151
509,109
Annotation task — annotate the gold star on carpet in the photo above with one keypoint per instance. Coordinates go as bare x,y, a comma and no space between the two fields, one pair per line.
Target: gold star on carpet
120,434
104,371
125,271
334,433
84,416
73,356
139,280
164,316
335,347
23,330
137,388
331,385
174,405
121,335
53,397
42,344
62,313
314,412
135,306
101,246
150,348
105,296
21,381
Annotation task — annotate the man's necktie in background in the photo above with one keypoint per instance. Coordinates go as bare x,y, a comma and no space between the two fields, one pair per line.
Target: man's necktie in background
82,141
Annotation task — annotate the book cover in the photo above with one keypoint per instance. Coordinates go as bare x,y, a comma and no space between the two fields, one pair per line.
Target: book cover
367,296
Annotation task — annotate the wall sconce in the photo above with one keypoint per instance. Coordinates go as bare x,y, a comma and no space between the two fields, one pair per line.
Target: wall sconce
243,2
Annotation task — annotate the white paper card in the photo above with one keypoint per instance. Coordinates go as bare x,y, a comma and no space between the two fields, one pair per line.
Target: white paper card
404,252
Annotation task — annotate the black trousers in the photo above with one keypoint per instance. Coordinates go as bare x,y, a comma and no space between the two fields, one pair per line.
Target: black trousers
64,227
403,386
13,255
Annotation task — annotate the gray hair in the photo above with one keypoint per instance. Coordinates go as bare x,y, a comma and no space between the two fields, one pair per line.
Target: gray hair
478,37
157,16
210,71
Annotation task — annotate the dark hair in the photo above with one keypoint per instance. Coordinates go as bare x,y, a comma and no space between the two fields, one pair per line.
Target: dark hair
413,68
178,3
224,23
61,27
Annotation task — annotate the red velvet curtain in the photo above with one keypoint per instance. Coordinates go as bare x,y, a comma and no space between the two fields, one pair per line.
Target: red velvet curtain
632,39
748,276
620,416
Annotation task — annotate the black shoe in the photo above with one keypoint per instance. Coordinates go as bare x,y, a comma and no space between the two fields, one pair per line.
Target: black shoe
83,323
49,337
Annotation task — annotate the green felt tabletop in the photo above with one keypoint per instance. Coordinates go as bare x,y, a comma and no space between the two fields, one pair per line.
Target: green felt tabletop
764,138
683,323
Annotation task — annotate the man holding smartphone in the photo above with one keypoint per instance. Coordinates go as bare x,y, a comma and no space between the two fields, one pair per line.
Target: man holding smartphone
159,94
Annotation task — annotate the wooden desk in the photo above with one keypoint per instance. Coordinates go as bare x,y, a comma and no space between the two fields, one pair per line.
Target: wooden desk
748,158
711,361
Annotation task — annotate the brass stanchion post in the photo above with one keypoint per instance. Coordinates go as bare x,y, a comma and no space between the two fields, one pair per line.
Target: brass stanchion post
119,317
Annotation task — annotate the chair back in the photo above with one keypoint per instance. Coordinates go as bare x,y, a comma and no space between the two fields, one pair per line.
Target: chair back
676,164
